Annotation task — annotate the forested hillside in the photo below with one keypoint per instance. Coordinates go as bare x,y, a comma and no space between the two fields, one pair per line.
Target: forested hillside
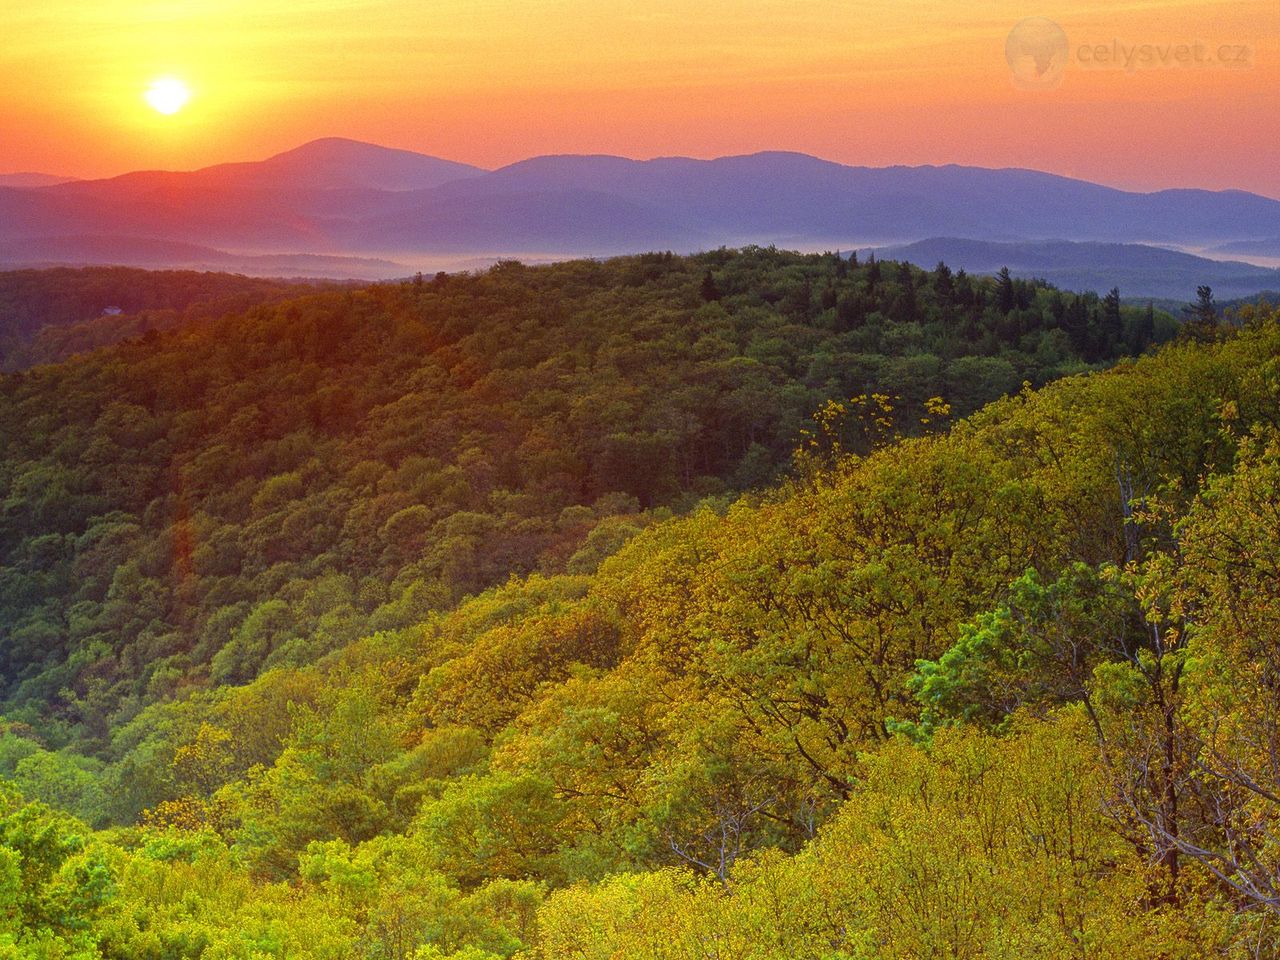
993,687
49,315
189,509
999,692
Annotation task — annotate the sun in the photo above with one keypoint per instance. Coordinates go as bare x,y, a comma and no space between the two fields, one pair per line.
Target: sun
167,95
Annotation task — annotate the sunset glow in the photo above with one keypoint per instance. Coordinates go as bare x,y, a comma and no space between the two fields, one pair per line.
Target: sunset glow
905,82
167,95
592,479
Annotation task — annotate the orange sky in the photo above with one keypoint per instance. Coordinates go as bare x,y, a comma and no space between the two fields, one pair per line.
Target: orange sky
489,82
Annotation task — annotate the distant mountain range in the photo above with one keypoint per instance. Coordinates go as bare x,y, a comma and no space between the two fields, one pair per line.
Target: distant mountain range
343,198
1262,247
178,255
32,179
1139,271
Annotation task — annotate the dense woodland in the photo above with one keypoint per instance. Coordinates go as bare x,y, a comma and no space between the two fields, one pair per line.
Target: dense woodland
431,620
190,509
50,315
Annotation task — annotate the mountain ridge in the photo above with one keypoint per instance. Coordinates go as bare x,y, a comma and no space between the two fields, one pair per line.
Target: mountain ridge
1139,270
27,179
336,196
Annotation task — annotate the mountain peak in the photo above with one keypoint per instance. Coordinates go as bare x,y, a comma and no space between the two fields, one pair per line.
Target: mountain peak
340,163
343,148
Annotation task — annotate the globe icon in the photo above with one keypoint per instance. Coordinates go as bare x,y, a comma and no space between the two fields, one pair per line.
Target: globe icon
1036,49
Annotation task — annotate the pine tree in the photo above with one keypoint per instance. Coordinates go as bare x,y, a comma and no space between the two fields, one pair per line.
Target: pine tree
1145,331
907,303
1004,291
1076,323
709,290
1201,321
942,282
1112,323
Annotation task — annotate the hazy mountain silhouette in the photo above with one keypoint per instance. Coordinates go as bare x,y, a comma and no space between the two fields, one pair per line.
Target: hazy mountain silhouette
336,163
776,195
1261,247
171,254
533,219
337,196
1138,270
26,179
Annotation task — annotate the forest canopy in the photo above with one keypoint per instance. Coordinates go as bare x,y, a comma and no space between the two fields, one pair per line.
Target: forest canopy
191,508
647,608
49,315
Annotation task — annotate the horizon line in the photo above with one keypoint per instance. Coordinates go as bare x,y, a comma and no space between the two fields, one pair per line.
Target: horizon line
631,159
